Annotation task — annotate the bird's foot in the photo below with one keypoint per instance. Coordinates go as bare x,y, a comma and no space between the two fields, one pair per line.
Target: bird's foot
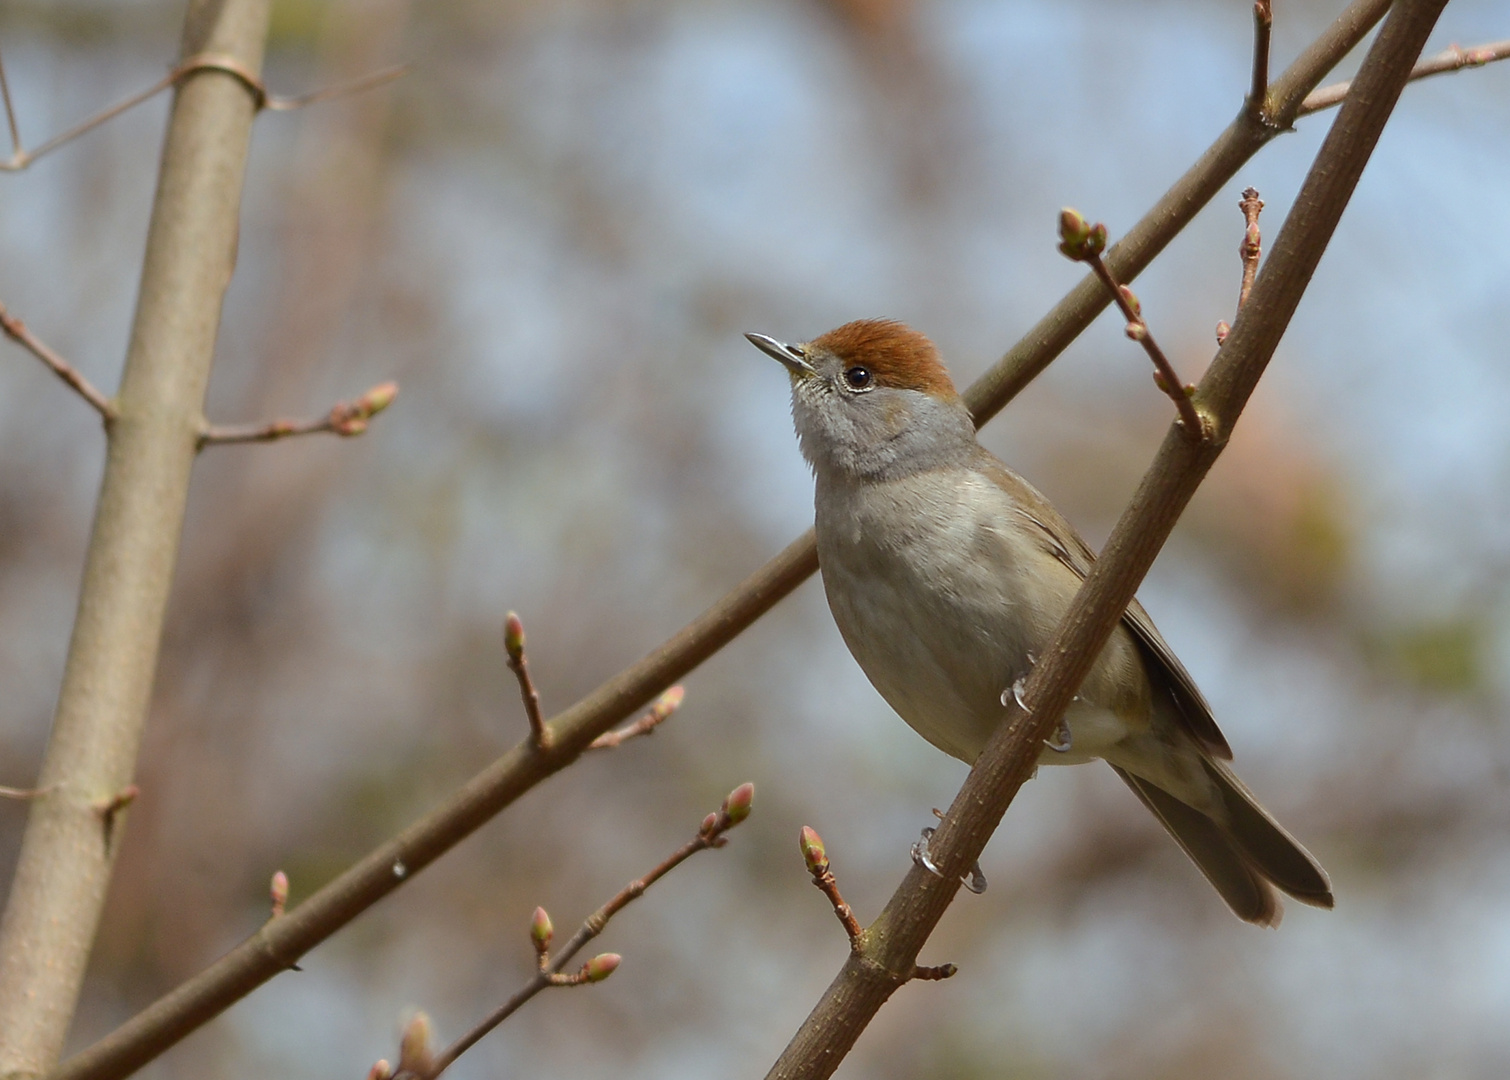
975,881
1061,742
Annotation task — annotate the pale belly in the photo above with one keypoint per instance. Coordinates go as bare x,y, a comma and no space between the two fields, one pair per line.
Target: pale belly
944,636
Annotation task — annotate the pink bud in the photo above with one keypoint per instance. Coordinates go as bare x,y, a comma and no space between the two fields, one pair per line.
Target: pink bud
377,399
1222,330
813,852
513,636
414,1047
541,930
1137,330
602,966
348,426
737,805
667,703
709,824
1131,298
278,892
1073,229
380,1070
1095,243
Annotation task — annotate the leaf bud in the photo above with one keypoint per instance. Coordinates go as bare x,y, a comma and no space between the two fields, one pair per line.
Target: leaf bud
813,852
737,805
541,930
602,966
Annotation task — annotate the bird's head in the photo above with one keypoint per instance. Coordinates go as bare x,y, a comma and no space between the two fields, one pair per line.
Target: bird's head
871,399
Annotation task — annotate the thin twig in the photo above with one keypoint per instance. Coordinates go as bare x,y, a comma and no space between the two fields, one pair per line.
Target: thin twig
21,158
23,793
10,113
17,331
269,951
1452,58
346,418
1258,96
1083,242
660,710
513,645
710,835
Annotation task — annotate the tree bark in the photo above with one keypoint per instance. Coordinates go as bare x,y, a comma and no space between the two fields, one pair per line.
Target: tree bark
70,841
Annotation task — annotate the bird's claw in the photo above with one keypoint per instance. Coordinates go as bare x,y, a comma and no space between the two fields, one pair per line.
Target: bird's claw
975,881
1061,742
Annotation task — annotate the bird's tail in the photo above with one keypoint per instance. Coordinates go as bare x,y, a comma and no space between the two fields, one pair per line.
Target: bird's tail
1246,856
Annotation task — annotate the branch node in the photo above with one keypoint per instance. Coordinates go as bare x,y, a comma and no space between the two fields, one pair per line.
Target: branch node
108,808
513,645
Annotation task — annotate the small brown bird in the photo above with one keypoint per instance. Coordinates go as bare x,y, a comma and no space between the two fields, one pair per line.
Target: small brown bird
948,573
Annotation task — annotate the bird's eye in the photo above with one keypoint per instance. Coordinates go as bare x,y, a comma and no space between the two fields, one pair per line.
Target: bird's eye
858,377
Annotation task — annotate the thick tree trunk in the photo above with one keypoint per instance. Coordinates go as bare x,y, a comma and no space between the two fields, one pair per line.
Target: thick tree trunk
64,868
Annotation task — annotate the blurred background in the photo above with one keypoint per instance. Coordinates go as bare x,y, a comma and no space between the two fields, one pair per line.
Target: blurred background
552,233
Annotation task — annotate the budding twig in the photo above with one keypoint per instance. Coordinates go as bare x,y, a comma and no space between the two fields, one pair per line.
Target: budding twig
346,418
17,331
660,709
21,157
1263,25
1452,58
709,835
513,645
816,857
1080,241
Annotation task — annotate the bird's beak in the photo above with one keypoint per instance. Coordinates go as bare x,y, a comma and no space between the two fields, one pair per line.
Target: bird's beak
790,355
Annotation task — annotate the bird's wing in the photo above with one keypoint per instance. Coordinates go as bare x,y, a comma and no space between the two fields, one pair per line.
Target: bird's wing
1064,543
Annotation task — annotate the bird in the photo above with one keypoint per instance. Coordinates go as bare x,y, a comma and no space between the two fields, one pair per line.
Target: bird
947,574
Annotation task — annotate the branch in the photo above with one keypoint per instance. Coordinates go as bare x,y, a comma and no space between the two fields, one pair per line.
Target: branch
225,62
1263,25
1082,242
709,835
1452,58
274,947
346,418
18,332
867,980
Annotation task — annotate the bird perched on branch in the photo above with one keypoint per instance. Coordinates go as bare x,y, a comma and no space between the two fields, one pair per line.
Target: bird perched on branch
947,574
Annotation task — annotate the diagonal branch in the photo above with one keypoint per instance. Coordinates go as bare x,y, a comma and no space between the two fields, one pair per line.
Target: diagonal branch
18,332
276,946
868,980
1452,58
